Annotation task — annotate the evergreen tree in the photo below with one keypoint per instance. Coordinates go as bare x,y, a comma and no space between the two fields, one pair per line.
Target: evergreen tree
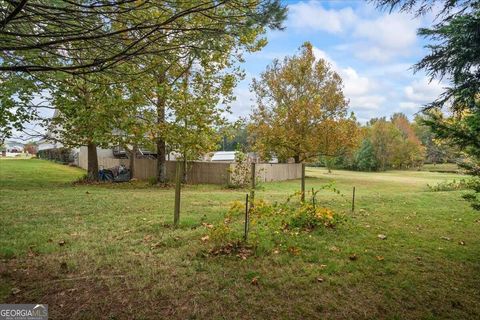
365,159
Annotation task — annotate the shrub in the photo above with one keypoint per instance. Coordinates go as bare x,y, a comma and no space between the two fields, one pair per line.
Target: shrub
272,224
241,172
454,185
308,217
63,155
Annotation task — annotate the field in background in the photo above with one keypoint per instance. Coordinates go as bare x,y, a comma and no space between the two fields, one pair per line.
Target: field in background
441,167
109,251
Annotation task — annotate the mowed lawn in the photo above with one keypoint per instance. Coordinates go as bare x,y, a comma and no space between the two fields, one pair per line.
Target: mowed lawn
110,252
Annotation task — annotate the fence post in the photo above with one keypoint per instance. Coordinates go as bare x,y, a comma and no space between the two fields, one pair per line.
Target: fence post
353,200
252,186
303,182
313,198
178,186
245,235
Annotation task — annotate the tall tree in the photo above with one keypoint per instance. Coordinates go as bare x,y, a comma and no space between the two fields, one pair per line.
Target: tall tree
299,100
365,157
219,48
92,112
196,115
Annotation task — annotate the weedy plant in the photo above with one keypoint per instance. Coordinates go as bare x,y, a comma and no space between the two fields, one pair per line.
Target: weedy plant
240,172
273,225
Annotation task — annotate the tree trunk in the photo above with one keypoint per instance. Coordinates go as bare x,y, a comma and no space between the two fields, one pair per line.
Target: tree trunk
184,172
161,145
132,158
297,158
92,162
161,162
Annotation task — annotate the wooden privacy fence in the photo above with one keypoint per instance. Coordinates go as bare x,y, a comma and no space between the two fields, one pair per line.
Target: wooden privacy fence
267,172
202,171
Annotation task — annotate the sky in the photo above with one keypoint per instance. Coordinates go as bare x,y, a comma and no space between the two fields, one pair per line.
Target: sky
373,51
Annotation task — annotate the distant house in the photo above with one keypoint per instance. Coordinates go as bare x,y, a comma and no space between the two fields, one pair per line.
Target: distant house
11,149
229,156
45,144
226,156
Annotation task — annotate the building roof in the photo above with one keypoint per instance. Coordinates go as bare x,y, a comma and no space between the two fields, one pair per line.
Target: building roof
223,156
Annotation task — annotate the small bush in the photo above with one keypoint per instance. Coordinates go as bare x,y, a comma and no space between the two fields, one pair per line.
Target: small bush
272,224
454,185
62,155
308,217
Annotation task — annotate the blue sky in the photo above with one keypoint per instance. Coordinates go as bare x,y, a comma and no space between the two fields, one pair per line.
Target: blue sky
372,50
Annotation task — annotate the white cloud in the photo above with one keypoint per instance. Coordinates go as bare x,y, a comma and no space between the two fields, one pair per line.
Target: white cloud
385,37
355,85
320,54
391,31
376,37
314,17
409,106
358,89
367,102
423,91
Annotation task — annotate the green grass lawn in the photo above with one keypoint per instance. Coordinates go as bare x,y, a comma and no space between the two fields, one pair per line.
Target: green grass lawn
110,252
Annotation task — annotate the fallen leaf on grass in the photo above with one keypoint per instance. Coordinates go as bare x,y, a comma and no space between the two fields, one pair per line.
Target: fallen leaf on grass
462,243
380,258
294,250
61,242
156,245
243,253
322,266
334,249
254,281
320,279
353,257
16,291
148,237
446,238
63,266
382,237
207,225
205,238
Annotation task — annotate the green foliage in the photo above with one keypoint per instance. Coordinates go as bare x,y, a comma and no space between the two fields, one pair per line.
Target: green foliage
235,137
365,158
385,144
63,155
454,185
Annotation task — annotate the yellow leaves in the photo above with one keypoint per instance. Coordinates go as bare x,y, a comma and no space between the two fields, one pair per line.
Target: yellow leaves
296,98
